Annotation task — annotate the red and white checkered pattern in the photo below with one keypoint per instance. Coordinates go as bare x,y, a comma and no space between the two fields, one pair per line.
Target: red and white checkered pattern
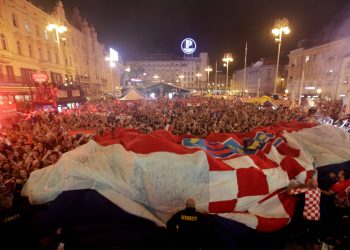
312,202
246,188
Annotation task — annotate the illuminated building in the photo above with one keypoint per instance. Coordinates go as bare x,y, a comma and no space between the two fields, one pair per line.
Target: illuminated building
69,54
260,78
325,67
180,71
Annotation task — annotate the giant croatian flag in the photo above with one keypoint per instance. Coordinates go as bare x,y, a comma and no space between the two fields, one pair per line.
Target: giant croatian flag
152,175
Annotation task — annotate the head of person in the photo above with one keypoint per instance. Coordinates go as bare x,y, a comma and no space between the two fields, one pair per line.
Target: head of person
190,203
343,175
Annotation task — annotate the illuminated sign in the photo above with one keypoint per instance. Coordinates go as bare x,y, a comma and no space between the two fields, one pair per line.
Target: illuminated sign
136,80
188,46
39,77
310,87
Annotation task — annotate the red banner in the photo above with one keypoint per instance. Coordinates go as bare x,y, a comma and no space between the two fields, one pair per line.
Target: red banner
7,110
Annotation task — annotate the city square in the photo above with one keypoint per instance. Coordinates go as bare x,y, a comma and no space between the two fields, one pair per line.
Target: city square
149,125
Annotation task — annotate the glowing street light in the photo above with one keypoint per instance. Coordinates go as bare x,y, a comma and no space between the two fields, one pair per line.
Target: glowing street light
181,79
208,69
59,29
281,27
227,59
319,92
156,77
112,58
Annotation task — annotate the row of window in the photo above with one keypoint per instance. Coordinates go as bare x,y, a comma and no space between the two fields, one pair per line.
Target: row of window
68,60
65,42
26,75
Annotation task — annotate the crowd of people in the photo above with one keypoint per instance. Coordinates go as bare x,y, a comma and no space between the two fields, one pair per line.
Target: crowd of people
37,140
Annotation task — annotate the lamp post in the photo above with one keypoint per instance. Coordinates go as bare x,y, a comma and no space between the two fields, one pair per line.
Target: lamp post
198,75
59,29
181,79
227,59
111,66
208,69
281,26
319,92
112,58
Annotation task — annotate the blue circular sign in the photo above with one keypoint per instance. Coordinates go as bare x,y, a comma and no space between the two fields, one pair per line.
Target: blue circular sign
188,46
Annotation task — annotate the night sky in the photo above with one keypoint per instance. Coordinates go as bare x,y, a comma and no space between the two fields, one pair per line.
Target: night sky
136,27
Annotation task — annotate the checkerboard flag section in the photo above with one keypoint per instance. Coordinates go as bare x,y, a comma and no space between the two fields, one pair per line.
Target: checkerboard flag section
152,175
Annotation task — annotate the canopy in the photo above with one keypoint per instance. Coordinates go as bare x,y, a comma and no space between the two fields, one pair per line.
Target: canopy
132,95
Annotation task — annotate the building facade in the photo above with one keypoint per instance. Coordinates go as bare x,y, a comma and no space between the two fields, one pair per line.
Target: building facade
320,70
260,79
67,58
181,71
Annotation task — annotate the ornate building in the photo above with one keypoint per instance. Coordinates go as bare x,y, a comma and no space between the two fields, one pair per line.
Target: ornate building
180,71
40,52
322,69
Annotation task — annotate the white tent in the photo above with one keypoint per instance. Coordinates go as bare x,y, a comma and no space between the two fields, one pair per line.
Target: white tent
132,95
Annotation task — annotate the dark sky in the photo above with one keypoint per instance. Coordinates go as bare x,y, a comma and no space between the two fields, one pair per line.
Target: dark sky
157,26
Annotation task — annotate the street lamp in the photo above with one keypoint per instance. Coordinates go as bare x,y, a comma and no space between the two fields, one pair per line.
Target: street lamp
281,26
59,29
319,92
227,59
208,69
156,77
198,75
112,58
181,79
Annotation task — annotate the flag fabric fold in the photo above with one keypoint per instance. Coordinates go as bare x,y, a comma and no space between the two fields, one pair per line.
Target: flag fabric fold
152,175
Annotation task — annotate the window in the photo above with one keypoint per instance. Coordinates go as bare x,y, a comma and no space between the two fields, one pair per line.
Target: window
30,50
3,42
9,72
57,59
46,34
37,32
19,49
48,55
26,26
27,75
56,77
14,20
40,54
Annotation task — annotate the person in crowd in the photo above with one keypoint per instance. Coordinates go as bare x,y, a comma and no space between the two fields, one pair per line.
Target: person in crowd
188,226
